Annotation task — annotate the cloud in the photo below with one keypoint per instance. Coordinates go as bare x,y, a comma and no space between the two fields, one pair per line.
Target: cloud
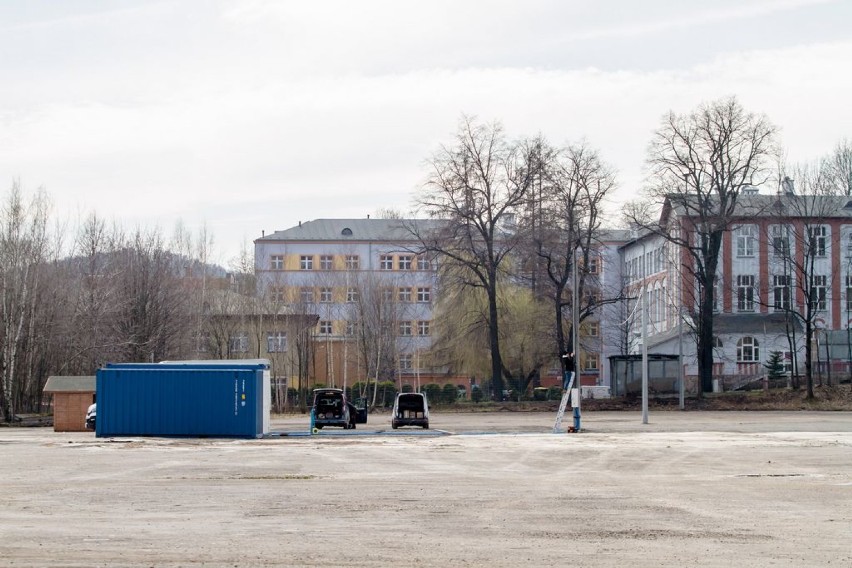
280,112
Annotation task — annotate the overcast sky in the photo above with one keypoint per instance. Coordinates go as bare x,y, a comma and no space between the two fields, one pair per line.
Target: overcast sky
251,116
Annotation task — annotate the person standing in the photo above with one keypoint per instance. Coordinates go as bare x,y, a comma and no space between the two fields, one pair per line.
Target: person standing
568,369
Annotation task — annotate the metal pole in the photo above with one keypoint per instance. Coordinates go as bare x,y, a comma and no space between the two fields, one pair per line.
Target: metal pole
644,356
680,355
576,344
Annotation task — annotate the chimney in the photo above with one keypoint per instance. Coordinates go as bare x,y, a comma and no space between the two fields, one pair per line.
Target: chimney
788,187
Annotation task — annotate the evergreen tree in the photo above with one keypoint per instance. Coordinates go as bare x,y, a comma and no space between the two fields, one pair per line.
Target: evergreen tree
774,365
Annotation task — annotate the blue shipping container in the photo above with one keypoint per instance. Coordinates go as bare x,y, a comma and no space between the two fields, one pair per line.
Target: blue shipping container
174,399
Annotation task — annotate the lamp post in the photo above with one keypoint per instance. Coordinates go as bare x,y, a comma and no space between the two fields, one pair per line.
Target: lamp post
575,312
644,356
681,387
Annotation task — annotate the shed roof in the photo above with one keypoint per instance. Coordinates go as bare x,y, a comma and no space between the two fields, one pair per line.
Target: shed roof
70,384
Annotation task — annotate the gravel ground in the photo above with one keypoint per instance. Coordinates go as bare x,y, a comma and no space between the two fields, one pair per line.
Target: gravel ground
484,489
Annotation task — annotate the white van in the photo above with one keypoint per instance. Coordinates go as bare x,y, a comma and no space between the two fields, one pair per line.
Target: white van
410,409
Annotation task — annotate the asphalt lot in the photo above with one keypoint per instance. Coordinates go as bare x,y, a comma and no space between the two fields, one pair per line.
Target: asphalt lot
483,489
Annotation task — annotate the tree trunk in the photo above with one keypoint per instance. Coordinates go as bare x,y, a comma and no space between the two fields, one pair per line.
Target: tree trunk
494,341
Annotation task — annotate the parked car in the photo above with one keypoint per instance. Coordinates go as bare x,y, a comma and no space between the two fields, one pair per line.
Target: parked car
332,409
91,416
410,409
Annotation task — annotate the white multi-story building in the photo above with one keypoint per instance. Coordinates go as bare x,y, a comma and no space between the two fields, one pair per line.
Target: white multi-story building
351,273
786,262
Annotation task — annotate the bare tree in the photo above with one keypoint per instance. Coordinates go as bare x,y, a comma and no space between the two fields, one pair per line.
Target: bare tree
564,218
24,250
802,247
838,168
699,165
477,185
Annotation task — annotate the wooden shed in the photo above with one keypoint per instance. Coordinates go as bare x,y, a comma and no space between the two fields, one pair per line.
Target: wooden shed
71,399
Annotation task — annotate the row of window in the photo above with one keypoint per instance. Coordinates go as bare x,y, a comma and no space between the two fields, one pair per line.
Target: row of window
817,240
325,294
782,292
646,264
353,262
276,341
404,328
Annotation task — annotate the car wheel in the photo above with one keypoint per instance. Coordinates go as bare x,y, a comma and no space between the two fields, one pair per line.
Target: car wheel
394,425
318,426
426,426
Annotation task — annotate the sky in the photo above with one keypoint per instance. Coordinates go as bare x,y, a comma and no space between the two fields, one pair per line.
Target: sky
247,117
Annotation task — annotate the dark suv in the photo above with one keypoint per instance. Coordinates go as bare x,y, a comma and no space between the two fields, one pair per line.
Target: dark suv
332,409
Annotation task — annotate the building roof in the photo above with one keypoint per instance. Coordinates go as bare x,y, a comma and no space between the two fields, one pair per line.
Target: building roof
753,323
70,384
736,324
354,230
780,206
616,235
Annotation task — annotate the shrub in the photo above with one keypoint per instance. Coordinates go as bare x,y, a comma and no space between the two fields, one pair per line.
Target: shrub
433,392
449,394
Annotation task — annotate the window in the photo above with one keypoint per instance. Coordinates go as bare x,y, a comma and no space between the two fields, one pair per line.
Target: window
423,263
203,344
326,262
819,290
351,328
591,362
306,295
745,293
745,240
748,350
781,285
849,292
780,241
423,328
717,343
404,328
424,294
387,295
816,240
325,327
325,295
277,293
306,262
352,295
593,329
238,342
353,262
716,294
276,341
849,246
406,361
593,265
386,262
406,261
276,262
405,295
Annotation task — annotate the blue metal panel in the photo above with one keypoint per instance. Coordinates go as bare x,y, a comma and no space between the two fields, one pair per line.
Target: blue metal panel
180,400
